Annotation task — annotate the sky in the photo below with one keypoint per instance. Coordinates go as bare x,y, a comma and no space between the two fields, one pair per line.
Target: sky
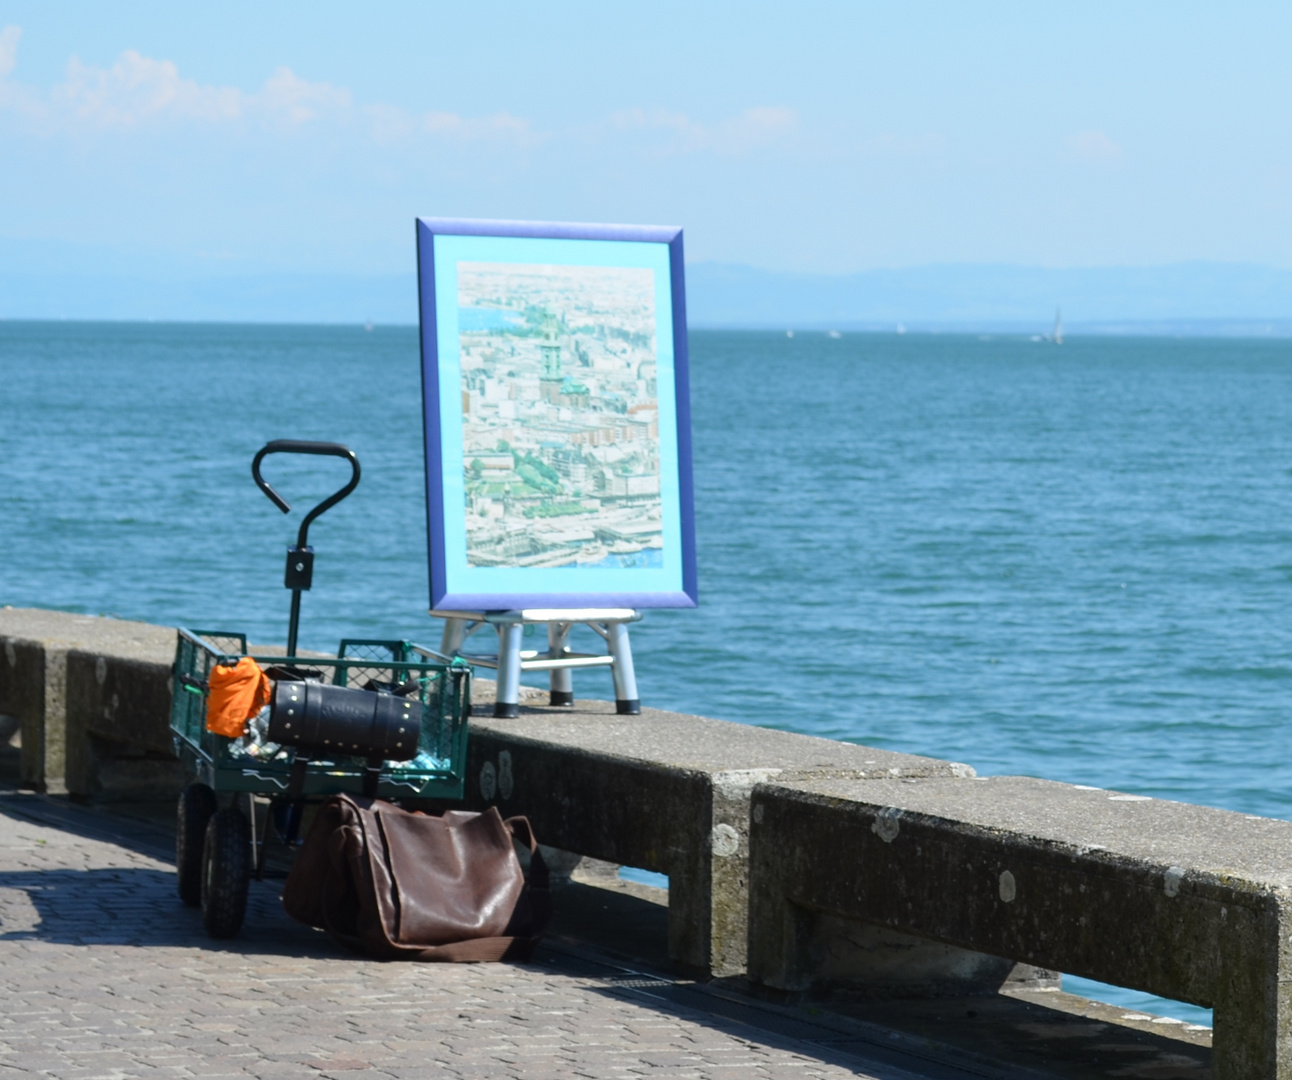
827,138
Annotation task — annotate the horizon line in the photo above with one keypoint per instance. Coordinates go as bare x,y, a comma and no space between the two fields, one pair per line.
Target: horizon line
1200,327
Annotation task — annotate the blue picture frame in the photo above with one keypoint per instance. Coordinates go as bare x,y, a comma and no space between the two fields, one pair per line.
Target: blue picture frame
568,343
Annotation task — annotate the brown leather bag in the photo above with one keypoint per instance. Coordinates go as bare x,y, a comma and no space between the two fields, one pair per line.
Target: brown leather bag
401,885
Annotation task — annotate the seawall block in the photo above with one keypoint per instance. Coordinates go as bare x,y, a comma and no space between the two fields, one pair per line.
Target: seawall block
1183,901
666,792
93,698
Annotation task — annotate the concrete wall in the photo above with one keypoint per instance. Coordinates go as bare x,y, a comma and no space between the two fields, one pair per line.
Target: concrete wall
806,862
92,696
1182,901
662,791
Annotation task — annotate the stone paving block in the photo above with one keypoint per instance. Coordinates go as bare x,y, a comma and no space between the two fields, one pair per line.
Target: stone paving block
147,994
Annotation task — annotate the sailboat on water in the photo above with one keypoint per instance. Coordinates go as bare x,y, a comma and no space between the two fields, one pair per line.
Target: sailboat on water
1057,336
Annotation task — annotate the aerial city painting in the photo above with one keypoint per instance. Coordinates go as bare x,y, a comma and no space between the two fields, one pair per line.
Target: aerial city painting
560,417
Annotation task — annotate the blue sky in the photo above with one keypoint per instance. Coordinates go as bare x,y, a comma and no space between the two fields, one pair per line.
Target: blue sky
814,137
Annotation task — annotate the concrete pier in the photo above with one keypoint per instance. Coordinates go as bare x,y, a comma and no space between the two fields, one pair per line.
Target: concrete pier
665,792
813,874
104,973
1181,901
92,699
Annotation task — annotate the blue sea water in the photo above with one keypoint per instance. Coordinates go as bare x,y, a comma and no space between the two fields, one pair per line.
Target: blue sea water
1065,562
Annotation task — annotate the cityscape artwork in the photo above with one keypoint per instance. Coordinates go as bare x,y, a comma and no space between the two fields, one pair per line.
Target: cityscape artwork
560,430
558,453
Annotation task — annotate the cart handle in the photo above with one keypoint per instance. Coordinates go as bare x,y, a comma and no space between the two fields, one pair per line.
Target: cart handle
299,446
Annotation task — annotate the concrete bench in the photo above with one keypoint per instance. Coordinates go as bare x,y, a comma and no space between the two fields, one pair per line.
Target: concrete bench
1181,901
661,791
92,696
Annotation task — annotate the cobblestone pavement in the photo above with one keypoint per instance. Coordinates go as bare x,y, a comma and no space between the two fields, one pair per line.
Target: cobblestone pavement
105,974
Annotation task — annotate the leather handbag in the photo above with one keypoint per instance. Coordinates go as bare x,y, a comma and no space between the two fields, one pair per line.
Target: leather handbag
400,885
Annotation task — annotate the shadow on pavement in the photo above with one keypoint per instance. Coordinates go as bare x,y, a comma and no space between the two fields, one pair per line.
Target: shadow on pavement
139,907
1002,1037
154,838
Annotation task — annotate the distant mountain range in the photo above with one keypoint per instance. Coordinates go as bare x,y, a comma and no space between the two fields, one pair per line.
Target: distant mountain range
279,298
1199,297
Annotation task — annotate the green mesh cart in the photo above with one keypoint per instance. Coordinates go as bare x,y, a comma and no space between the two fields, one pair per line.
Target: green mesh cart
218,843
218,850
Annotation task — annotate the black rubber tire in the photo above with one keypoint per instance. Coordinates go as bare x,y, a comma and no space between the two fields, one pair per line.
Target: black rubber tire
226,872
197,803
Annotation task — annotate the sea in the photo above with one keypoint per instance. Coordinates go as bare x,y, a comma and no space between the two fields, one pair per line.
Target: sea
1072,562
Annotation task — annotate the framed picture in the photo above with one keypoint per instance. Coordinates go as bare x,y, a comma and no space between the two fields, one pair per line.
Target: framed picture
558,429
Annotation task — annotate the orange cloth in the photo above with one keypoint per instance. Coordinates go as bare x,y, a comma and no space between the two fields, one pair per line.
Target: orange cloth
237,694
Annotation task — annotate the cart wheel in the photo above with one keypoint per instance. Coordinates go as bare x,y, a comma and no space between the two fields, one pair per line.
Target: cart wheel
226,872
196,805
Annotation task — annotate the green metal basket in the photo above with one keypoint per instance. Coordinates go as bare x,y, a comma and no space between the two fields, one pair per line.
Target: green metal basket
238,765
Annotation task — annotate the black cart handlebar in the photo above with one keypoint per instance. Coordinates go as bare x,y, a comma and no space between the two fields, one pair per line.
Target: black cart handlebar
300,559
301,446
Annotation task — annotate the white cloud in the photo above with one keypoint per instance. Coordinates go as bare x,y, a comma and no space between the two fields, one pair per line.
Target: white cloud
14,97
9,49
479,127
756,128
140,94
750,130
286,96
690,134
390,125
1094,147
137,91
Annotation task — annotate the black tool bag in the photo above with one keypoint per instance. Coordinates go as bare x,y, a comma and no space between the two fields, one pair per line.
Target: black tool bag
324,720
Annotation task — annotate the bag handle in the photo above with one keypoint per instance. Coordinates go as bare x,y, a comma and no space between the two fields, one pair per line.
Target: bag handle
538,876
